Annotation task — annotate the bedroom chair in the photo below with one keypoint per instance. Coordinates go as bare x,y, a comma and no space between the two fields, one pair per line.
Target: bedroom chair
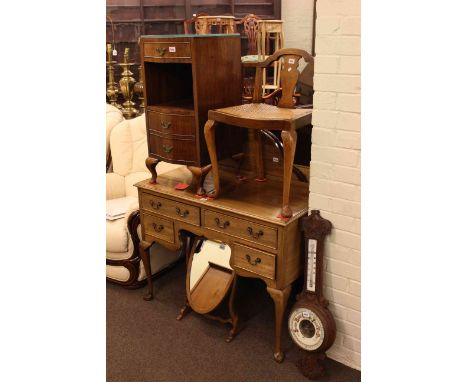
259,116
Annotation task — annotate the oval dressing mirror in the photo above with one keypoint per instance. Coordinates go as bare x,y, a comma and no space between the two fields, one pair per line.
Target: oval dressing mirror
209,275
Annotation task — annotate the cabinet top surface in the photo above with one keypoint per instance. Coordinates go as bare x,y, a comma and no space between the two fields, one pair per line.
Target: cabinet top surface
190,35
248,198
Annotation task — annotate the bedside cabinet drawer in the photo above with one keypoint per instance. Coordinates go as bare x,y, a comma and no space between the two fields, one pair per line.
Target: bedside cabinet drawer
158,227
170,208
175,150
254,261
171,124
165,50
242,229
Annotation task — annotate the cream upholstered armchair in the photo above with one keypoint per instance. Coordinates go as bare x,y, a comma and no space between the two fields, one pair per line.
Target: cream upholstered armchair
113,117
128,147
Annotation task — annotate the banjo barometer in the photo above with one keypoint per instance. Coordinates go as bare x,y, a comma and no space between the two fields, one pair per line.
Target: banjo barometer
310,324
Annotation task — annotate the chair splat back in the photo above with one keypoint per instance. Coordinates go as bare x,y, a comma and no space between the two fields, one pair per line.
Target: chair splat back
289,59
251,29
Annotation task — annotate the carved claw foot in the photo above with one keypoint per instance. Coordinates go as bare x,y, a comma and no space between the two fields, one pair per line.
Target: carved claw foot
151,165
286,212
279,357
201,192
183,312
232,333
148,297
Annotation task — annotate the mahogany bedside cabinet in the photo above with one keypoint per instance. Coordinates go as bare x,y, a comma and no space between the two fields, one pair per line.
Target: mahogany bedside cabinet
184,77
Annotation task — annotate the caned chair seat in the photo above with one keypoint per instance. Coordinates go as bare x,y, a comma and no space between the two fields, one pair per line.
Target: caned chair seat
262,116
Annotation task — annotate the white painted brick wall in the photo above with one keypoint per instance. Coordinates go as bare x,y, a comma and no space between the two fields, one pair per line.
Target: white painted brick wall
298,21
335,176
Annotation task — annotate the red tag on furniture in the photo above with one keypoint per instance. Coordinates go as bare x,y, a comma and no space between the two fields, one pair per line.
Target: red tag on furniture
181,186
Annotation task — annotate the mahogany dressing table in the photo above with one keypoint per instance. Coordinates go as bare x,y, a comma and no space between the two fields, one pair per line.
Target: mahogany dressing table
263,245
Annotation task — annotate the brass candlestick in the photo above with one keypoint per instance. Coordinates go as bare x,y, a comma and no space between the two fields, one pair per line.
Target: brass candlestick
112,89
127,83
139,89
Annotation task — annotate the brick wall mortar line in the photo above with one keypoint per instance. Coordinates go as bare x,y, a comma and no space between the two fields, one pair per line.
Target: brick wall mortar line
345,262
335,147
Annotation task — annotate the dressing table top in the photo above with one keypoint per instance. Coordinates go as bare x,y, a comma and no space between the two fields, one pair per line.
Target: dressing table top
258,200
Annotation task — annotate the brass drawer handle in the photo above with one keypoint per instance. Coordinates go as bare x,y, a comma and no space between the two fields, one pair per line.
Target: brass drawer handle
224,225
165,125
180,213
257,260
167,149
158,228
155,205
161,51
255,235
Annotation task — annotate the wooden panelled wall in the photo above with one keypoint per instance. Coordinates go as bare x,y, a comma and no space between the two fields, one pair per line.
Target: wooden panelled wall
133,18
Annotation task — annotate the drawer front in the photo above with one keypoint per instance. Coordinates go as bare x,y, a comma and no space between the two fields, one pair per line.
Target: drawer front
158,227
255,261
173,149
165,50
171,208
241,228
171,124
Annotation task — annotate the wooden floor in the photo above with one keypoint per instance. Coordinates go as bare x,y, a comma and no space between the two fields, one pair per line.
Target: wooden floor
146,343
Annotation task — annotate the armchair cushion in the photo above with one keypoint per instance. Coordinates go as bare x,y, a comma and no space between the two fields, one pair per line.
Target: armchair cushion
117,239
118,242
129,147
115,186
131,179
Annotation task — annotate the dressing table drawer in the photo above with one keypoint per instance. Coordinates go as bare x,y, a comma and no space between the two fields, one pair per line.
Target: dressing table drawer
170,208
254,261
242,229
158,227
165,50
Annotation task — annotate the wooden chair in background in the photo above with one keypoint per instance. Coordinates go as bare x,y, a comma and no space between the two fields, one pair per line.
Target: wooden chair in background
249,27
190,25
217,24
259,116
267,29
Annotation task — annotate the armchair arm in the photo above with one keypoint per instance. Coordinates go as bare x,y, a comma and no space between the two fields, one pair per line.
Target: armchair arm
132,207
133,222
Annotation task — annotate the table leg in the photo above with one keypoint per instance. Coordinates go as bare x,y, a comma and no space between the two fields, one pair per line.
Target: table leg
258,154
203,26
280,297
151,165
231,27
289,146
232,311
145,256
209,130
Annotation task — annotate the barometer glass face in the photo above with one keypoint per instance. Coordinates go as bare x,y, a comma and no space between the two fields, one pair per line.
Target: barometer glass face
306,329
